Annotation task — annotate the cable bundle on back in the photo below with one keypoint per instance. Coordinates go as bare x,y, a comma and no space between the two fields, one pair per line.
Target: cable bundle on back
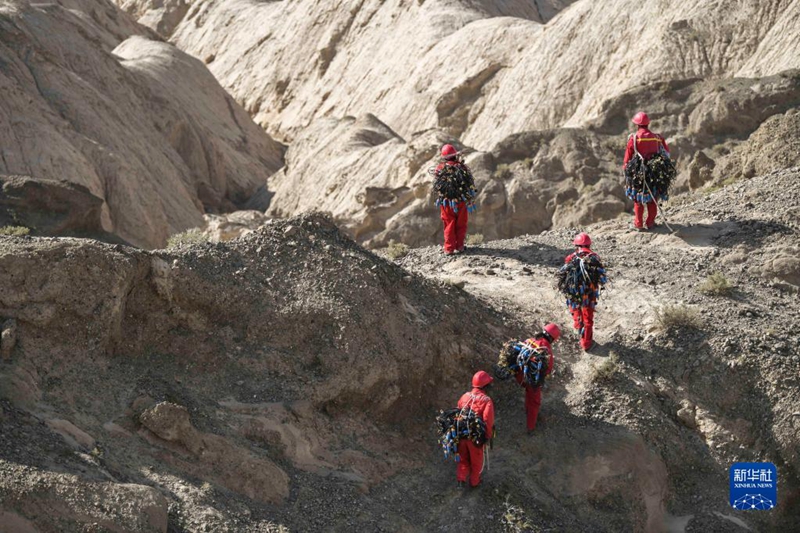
517,356
455,425
581,280
647,181
453,184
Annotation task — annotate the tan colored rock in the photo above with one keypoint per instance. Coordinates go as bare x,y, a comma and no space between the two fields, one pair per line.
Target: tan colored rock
8,339
687,414
784,265
50,501
378,186
169,421
357,169
73,434
463,64
775,145
162,16
485,73
145,128
222,228
700,170
230,465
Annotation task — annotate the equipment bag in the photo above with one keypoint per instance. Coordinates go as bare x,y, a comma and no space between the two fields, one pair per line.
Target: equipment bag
454,184
647,181
581,280
455,425
517,356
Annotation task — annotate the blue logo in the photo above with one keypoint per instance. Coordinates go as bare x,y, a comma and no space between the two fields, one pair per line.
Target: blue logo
754,486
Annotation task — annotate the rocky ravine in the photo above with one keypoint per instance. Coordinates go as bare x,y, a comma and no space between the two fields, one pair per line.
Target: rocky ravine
289,378
92,98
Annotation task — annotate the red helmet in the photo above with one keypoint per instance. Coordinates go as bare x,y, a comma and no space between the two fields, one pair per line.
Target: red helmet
481,379
582,239
641,119
449,151
552,330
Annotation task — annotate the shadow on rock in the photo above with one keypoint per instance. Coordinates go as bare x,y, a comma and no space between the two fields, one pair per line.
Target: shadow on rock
729,233
532,254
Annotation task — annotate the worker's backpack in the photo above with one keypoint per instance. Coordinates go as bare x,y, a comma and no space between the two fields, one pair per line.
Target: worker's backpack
582,279
531,360
647,181
457,424
454,184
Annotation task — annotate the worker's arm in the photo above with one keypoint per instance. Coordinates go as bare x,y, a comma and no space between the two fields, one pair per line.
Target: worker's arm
628,152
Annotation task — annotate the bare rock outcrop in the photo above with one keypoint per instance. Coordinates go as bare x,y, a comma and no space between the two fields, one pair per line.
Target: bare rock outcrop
48,207
775,145
162,16
463,63
35,500
141,125
378,187
229,226
229,465
460,78
360,171
283,95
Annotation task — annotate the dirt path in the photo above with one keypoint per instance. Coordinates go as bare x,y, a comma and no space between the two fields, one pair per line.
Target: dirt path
610,415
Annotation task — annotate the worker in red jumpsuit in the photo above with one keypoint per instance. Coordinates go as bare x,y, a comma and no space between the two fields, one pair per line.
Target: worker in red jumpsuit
470,456
583,316
647,144
533,395
454,220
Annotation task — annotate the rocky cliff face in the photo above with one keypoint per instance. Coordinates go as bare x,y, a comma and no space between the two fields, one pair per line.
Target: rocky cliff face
377,186
480,70
487,76
90,97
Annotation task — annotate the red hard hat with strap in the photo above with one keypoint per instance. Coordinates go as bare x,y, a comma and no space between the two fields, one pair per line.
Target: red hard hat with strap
641,119
552,330
449,151
481,379
582,239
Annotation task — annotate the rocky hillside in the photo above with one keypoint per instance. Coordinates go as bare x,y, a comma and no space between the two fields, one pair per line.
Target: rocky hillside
92,98
697,365
288,379
463,63
218,386
540,92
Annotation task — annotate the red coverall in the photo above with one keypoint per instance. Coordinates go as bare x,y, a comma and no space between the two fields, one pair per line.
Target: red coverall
533,395
584,316
470,461
455,223
647,143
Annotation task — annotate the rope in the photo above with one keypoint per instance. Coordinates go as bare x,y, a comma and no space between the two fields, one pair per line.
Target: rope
647,185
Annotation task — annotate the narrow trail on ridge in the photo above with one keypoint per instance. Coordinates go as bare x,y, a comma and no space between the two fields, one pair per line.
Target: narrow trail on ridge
612,418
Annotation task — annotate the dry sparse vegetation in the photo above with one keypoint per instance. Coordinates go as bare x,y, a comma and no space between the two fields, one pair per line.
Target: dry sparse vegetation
515,520
396,250
716,285
606,370
14,231
187,238
474,239
678,316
